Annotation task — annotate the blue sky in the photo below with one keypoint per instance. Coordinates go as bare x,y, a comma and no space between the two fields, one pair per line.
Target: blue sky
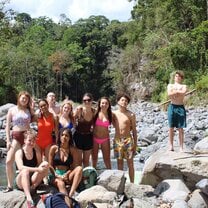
74,9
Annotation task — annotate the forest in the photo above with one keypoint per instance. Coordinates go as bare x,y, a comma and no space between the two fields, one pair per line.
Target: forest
105,57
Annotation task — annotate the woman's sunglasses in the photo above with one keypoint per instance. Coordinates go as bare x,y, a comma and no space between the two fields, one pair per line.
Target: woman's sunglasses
87,100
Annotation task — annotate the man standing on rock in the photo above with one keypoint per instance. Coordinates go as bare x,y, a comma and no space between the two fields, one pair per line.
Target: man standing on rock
125,145
176,110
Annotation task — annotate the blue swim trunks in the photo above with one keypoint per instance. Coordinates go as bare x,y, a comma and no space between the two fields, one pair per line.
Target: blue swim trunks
176,116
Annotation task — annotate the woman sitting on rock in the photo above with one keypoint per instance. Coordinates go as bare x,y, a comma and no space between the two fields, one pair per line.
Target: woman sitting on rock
31,169
63,164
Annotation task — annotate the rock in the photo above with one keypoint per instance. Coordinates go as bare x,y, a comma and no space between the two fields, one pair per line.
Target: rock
172,190
202,146
169,165
203,185
180,204
113,180
4,109
198,200
97,194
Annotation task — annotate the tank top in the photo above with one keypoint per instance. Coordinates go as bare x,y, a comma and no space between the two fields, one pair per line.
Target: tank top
83,126
21,118
30,163
57,160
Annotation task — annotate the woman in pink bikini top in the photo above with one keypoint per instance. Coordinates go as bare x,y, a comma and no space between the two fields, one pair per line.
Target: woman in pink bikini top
101,138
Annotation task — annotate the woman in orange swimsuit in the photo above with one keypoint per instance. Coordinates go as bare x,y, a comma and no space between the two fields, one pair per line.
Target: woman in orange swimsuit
103,119
47,124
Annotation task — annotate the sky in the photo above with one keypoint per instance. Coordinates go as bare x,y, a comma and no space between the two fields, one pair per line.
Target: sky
74,9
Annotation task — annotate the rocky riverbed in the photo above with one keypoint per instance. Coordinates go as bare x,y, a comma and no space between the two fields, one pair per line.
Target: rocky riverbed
164,173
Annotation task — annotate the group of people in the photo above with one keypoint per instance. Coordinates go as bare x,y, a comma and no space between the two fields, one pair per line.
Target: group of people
66,141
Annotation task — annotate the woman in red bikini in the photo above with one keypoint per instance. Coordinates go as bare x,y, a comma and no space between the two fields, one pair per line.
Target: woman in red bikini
103,119
19,117
47,124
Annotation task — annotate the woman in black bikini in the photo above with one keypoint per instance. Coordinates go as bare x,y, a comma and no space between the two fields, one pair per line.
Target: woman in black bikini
63,164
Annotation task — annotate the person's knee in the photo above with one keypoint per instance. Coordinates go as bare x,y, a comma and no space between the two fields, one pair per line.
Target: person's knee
25,173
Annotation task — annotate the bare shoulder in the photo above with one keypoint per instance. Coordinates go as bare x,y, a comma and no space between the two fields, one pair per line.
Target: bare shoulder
53,148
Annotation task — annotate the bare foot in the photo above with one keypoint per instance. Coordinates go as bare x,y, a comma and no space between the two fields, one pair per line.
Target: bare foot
181,149
171,149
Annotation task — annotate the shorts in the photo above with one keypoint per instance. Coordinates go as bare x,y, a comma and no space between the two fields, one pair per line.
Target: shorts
123,148
83,141
51,177
19,136
176,116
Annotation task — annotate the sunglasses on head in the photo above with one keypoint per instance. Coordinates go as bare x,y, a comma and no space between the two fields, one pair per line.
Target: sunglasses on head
87,100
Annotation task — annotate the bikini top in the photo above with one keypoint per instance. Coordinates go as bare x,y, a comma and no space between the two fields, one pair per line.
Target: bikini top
57,160
30,163
99,122
21,118
69,125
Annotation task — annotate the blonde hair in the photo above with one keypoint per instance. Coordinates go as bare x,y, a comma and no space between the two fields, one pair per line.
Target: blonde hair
30,133
67,102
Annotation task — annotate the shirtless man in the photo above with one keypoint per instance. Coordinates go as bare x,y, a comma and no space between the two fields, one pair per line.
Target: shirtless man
125,145
53,108
176,110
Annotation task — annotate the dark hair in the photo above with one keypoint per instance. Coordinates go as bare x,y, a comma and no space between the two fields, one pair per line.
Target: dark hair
61,132
122,94
108,110
87,94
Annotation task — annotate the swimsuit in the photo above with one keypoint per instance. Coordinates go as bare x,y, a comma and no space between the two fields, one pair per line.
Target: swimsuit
69,126
123,148
102,123
45,129
21,119
105,124
83,137
176,116
57,160
19,136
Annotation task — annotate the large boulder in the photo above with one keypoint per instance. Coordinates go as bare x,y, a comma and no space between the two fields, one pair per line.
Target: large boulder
170,165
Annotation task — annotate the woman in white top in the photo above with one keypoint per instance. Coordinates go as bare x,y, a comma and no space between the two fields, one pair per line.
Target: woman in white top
19,117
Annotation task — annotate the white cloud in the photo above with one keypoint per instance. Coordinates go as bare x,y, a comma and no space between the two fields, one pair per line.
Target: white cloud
74,9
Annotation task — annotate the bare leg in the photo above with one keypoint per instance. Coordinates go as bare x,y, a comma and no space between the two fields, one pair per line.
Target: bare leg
86,157
10,161
181,138
37,177
23,182
79,157
95,154
75,176
171,137
105,147
62,188
120,164
47,149
130,163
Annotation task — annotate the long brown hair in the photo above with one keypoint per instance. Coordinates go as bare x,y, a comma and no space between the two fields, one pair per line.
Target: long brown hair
109,111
